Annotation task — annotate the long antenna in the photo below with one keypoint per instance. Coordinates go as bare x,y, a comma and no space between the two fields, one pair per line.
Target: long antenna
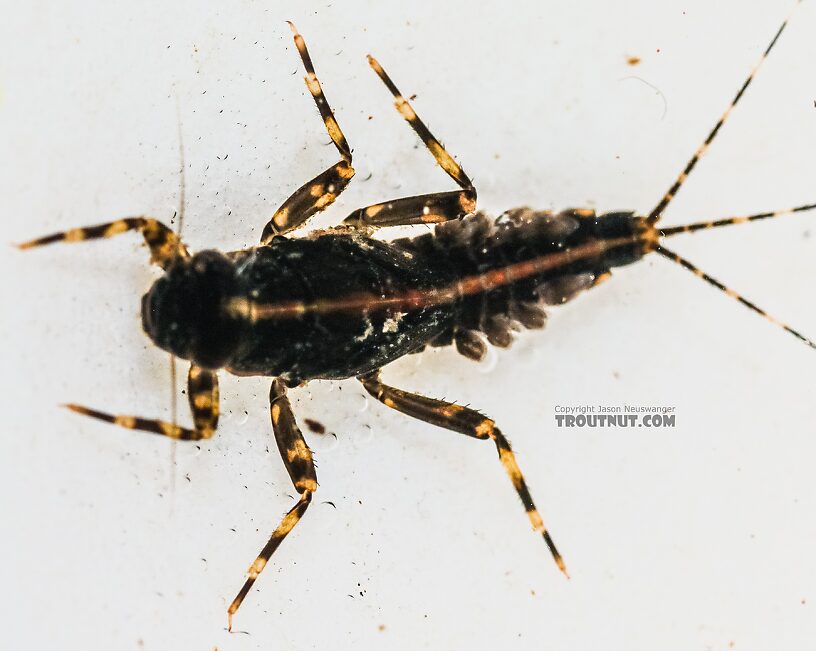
658,210
731,221
671,255
179,228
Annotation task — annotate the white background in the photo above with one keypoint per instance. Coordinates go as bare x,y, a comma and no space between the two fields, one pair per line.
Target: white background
696,537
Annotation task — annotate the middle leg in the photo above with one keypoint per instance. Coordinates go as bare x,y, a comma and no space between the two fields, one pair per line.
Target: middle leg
322,190
471,423
297,457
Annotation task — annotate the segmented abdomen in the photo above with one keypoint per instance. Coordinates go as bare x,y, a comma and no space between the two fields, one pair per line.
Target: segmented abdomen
478,243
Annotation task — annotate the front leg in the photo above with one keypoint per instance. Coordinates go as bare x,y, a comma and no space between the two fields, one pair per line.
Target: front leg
471,423
165,245
322,190
297,457
202,394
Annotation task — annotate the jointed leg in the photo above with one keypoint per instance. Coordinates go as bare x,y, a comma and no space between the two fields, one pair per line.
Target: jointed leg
321,191
465,421
165,246
426,208
202,393
297,457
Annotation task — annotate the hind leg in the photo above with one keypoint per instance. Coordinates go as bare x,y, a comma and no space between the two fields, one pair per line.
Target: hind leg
471,423
425,208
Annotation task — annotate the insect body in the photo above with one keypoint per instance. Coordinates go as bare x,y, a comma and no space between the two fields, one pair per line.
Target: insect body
315,346
202,309
340,303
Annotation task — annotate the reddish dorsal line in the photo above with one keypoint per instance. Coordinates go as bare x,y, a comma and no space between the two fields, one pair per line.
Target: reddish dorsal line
422,298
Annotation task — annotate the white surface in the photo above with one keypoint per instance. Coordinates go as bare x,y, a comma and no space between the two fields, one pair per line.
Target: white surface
697,537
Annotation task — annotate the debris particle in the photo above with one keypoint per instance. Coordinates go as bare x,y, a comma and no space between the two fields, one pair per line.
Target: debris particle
315,426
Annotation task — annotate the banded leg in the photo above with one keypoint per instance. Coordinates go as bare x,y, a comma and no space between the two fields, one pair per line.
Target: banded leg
321,191
471,423
165,246
426,208
202,394
297,457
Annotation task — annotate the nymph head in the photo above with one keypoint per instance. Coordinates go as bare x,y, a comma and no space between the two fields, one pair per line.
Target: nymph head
184,311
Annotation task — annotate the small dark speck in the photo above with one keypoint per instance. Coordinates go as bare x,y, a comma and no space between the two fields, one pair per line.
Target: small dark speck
332,503
381,627
412,97
187,477
315,426
633,61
